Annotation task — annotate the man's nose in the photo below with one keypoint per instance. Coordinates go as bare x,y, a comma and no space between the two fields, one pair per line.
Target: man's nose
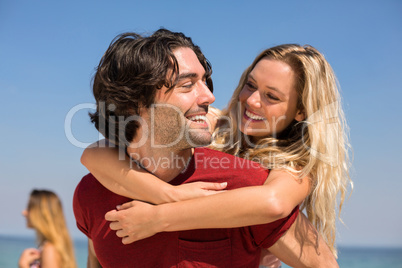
205,95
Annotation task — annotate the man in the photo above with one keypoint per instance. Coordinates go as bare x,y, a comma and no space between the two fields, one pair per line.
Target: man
166,77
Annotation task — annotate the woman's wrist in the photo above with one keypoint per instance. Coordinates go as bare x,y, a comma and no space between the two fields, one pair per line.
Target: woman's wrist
162,218
170,194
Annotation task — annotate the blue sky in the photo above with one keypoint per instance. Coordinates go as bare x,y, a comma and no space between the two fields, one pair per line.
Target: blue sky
49,50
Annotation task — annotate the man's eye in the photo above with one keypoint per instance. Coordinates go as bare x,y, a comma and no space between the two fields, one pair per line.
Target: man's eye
188,85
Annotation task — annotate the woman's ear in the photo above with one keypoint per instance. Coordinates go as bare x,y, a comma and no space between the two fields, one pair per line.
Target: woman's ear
300,115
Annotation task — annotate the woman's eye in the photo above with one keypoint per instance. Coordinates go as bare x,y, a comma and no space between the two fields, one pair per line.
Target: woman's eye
272,97
251,85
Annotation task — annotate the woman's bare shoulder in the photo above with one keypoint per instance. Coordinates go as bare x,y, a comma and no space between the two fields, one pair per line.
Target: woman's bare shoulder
49,256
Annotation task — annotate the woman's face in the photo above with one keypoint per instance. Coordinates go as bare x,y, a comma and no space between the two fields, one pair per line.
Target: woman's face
268,99
25,213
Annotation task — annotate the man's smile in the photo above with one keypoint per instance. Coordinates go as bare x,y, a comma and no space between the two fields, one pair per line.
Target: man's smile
200,119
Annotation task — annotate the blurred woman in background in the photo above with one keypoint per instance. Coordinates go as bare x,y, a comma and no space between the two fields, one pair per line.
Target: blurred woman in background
44,213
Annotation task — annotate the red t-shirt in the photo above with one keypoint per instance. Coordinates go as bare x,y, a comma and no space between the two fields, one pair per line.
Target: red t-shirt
232,247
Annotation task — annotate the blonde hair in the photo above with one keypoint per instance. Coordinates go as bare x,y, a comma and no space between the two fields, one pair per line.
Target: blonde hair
46,216
317,147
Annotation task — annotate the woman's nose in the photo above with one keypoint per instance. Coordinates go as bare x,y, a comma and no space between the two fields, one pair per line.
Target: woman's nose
254,100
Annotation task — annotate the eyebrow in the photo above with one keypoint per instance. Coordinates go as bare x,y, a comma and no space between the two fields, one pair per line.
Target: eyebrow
187,75
190,75
269,87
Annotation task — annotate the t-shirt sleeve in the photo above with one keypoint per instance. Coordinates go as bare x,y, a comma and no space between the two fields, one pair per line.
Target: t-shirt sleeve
80,213
266,235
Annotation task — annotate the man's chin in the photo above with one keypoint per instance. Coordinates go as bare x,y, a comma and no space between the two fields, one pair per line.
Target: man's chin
200,140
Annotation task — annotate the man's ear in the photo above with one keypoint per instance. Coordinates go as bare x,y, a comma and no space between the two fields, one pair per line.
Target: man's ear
300,115
141,110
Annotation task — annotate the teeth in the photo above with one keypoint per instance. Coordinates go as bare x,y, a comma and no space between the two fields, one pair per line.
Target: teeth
198,118
253,116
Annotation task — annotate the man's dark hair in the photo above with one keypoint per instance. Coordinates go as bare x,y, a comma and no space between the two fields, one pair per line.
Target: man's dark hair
130,72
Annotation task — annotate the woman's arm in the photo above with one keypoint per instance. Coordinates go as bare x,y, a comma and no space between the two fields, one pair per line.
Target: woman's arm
246,206
115,172
112,170
303,246
274,200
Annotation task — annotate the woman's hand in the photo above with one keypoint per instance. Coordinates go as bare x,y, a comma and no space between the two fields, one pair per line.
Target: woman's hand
27,257
134,221
197,189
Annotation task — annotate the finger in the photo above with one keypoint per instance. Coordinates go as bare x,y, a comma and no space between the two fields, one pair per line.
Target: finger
115,225
31,250
214,185
127,240
126,205
121,233
36,254
111,215
214,192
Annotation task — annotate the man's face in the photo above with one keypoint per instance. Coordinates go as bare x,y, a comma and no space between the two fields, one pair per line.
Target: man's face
178,118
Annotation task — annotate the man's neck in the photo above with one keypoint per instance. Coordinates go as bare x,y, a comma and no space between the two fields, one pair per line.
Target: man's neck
164,163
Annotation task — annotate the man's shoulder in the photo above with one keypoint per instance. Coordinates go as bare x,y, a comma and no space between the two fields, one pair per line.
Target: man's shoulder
90,190
87,182
87,186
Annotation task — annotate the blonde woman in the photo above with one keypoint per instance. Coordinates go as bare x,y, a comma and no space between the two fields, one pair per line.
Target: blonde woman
284,114
55,248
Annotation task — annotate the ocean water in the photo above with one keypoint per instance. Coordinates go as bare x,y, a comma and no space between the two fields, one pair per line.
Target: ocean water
368,257
349,257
